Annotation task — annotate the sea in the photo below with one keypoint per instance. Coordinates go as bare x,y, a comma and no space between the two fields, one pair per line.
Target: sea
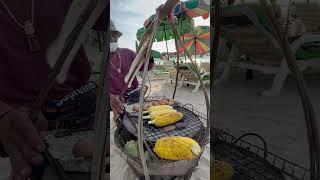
198,59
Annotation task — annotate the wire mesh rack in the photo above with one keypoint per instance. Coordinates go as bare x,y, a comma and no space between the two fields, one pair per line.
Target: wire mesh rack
153,133
253,162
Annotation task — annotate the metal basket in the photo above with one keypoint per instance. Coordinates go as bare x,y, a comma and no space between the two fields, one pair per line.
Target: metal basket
252,162
162,167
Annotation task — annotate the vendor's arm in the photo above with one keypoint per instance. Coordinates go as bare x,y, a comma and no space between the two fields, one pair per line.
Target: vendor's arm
116,104
20,140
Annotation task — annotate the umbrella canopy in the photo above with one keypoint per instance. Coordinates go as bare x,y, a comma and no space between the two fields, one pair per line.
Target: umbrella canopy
184,25
198,41
193,8
156,54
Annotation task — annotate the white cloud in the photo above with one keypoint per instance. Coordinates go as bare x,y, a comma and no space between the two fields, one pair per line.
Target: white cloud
129,16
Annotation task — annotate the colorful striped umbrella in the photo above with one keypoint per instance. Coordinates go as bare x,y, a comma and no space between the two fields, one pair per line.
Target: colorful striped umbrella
193,8
198,41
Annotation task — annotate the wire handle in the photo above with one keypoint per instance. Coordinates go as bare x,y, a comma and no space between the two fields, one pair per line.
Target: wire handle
188,104
258,136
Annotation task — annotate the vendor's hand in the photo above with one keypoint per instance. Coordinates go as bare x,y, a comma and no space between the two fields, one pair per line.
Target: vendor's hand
116,103
21,141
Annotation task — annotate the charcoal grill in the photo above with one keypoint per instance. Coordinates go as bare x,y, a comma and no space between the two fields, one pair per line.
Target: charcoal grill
195,129
153,133
252,162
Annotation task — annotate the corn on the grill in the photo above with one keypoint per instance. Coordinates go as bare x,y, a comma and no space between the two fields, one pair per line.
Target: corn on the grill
166,119
177,148
157,113
221,171
158,108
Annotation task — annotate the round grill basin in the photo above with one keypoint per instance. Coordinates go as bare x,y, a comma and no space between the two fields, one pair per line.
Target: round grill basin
153,133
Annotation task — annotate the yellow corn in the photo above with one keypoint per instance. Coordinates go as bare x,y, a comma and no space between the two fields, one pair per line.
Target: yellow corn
166,119
158,108
157,113
221,171
177,148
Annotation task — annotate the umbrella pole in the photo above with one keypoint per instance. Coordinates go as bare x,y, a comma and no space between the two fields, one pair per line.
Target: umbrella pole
195,49
185,56
165,37
178,58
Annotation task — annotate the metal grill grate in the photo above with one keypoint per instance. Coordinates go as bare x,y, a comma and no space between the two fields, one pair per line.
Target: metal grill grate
252,162
152,133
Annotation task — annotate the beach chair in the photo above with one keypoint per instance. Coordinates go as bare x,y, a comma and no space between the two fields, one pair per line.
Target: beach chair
248,28
310,14
189,76
204,67
172,71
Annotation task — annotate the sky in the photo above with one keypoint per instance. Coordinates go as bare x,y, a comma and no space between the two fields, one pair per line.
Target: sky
129,15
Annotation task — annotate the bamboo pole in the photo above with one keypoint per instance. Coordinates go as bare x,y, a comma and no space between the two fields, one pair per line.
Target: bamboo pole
288,18
165,10
311,122
102,116
178,59
141,98
215,39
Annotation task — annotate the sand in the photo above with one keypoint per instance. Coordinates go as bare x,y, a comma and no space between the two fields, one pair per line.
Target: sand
280,120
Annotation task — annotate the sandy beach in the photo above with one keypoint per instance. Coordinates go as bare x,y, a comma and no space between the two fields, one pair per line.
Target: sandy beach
280,119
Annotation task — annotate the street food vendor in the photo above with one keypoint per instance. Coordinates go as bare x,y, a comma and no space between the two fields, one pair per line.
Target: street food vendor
27,29
120,63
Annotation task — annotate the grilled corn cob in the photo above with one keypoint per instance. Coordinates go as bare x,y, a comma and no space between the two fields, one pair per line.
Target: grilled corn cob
166,119
221,171
157,108
153,114
177,148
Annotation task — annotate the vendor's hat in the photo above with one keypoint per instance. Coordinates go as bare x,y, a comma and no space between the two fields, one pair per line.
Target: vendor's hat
114,29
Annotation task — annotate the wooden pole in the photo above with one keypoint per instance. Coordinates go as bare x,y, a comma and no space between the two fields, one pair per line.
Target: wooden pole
215,39
178,59
311,122
102,115
164,9
141,99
